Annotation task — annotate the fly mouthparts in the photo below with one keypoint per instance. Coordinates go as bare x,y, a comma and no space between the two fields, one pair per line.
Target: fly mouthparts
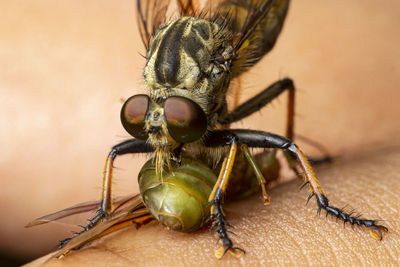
154,129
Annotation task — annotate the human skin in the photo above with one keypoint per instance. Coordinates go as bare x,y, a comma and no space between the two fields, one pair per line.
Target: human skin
66,66
284,233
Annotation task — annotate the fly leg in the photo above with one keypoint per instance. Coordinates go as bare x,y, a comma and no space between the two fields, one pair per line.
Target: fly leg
265,97
257,172
262,99
134,214
129,146
269,140
216,198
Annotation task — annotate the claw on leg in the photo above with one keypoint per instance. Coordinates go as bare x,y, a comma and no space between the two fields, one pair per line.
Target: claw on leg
323,202
376,232
234,251
91,223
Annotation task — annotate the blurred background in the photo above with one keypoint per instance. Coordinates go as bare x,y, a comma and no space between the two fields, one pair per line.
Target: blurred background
66,65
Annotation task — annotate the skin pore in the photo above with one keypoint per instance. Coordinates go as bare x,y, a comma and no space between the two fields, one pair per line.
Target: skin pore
286,232
66,69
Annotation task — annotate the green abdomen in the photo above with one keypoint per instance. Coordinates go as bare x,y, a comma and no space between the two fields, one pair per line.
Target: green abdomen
179,199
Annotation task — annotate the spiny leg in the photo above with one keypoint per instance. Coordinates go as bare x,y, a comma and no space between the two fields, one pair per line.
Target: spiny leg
216,198
129,146
262,99
323,202
268,140
136,218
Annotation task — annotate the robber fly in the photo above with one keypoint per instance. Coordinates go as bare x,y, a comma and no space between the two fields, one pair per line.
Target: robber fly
184,121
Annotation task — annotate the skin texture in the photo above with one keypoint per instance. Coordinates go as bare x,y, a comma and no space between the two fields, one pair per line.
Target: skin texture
65,67
286,233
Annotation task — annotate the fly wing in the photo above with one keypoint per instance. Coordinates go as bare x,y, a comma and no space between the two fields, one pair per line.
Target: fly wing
120,203
256,25
133,212
188,7
77,209
150,15
127,211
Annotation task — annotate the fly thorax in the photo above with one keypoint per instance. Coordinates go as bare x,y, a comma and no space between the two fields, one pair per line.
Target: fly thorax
181,56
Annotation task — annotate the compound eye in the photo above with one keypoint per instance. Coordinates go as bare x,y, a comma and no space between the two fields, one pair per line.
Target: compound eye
186,121
133,115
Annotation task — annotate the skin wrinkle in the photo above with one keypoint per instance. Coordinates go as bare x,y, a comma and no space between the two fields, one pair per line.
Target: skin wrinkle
377,200
334,252
298,223
318,224
119,255
290,256
384,190
295,51
288,233
336,256
391,255
248,226
317,242
347,244
338,194
361,198
296,218
329,247
387,190
361,230
366,199
123,250
276,261
249,229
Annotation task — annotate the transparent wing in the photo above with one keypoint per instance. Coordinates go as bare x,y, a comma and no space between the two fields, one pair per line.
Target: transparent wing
188,7
150,15
128,211
131,213
77,209
257,10
256,25
119,203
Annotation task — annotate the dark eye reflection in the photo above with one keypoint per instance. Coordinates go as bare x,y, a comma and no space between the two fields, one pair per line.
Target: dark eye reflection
133,115
186,121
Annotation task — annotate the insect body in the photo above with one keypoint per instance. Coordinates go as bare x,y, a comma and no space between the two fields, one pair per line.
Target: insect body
190,63
179,200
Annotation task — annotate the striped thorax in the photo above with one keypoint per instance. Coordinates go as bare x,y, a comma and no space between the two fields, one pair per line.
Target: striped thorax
180,62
